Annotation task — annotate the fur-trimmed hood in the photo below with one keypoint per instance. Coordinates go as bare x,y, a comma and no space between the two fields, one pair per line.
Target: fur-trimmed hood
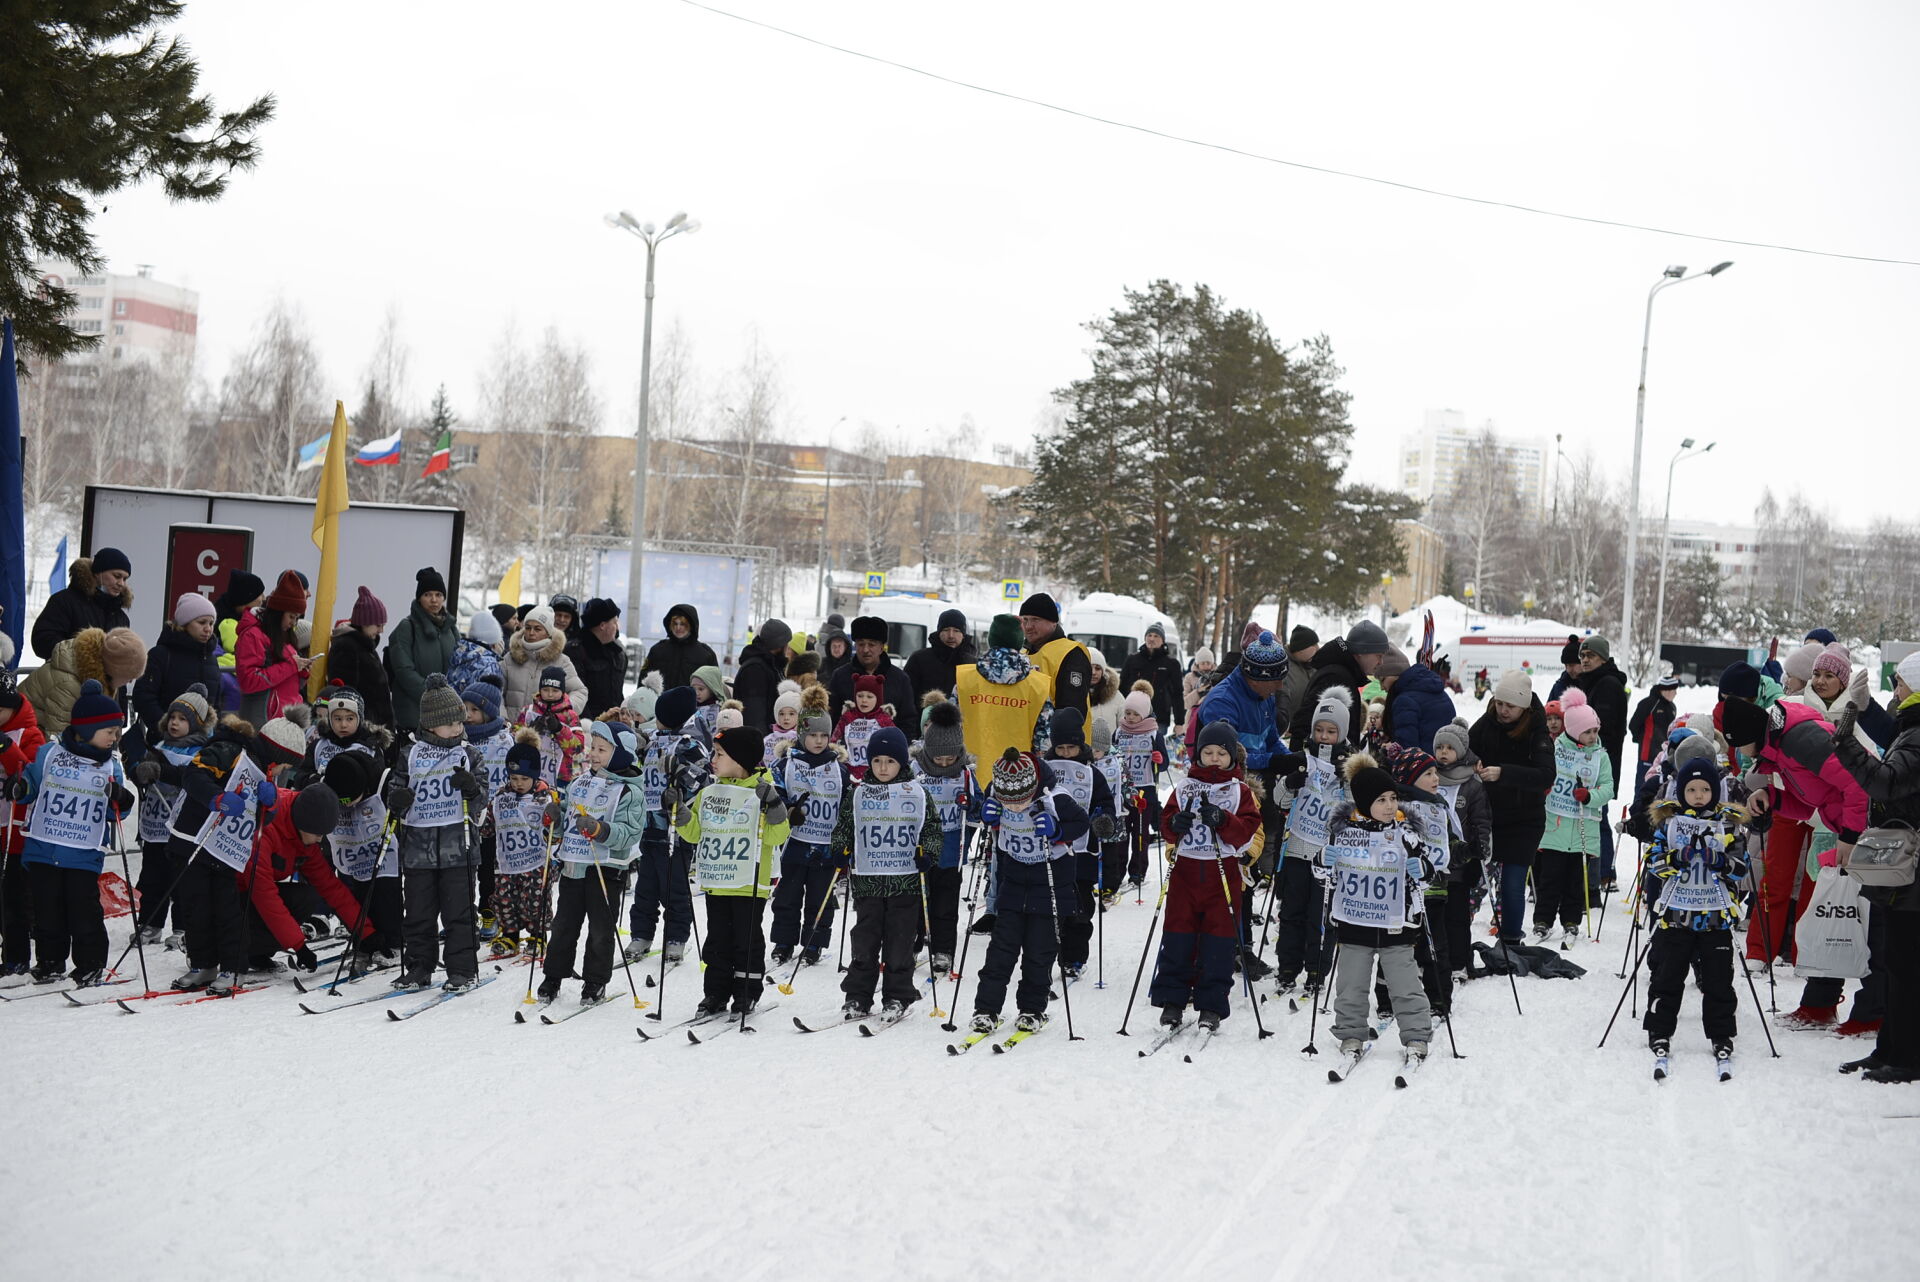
548,654
80,576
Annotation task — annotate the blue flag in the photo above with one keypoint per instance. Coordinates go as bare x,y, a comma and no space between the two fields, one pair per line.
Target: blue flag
13,512
58,579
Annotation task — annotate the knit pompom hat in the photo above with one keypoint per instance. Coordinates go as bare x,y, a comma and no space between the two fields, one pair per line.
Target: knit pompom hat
1454,735
93,709
523,757
193,701
124,655
942,737
788,699
1576,715
1137,705
870,683
1835,659
1264,659
283,741
440,704
1406,765
1014,776
368,609
191,606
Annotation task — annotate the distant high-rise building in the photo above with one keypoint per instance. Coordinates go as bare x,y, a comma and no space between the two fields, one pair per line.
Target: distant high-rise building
1431,458
136,317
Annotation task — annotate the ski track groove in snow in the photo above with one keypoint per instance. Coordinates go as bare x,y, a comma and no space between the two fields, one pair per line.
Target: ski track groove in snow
459,1145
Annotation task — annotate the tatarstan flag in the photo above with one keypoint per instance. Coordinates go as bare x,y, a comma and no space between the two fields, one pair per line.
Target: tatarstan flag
442,458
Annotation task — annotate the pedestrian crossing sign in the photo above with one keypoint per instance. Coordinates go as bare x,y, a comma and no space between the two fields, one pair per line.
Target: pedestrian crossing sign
876,584
1013,589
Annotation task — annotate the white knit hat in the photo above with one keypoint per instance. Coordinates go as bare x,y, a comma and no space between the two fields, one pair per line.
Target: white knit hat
1514,687
1908,670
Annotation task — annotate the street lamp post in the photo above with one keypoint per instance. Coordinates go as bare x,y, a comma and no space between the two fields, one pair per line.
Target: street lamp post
1672,276
1686,451
678,225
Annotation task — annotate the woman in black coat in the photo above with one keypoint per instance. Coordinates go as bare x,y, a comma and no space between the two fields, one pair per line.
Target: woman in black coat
1516,768
181,659
353,659
1892,785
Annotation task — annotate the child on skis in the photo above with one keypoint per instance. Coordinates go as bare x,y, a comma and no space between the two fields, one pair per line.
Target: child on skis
812,777
1698,856
516,820
435,787
181,733
1377,866
1315,778
888,836
487,731
1032,831
1144,749
1576,808
1416,777
1074,775
861,719
551,715
675,765
1461,789
289,846
736,824
228,795
365,856
1114,848
1213,818
599,822
20,742
78,796
940,764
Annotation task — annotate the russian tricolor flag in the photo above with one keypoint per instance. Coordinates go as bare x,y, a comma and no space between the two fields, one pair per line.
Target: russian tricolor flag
374,453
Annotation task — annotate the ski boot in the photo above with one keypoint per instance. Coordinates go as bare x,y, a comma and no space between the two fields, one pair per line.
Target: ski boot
1073,972
1858,1028
1414,1052
177,942
89,978
780,956
1256,969
1283,986
982,925
637,948
1351,1046
460,983
489,926
1030,1022
549,988
1722,1050
194,980
1540,934
854,1010
1568,934
13,968
811,957
676,950
47,974
535,947
223,984
1809,1017
147,935
982,1023
1861,1065
413,979
591,993
503,947
1209,1021
891,1012
1170,1016
710,1008
263,965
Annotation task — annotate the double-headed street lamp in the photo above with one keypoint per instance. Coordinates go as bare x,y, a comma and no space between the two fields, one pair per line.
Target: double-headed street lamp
1686,451
678,225
1672,276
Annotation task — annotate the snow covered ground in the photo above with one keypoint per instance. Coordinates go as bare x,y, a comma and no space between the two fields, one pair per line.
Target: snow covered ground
242,1138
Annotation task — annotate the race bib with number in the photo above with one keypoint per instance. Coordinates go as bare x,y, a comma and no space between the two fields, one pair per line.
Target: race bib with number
1316,802
1572,769
437,803
597,795
656,767
1369,878
1020,840
229,838
886,827
775,738
728,854
859,735
493,755
519,842
1202,842
1075,779
71,808
1113,768
362,846
818,789
1694,889
160,802
1429,820
1137,751
945,792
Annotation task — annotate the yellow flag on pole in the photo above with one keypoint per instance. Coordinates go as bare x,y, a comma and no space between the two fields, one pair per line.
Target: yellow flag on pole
328,504
510,584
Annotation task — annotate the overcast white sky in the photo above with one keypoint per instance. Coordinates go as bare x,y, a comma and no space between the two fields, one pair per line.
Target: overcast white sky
912,251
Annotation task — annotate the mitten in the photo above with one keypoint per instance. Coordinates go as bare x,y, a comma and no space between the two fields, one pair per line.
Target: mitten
990,813
266,794
231,804
1044,824
146,774
1104,827
123,801
399,798
1583,794
796,815
1181,823
924,861
1211,815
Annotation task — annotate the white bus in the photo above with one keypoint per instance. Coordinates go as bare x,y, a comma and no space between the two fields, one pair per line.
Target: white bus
1115,625
912,620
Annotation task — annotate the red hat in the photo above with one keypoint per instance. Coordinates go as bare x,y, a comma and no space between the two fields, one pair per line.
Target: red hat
289,594
872,683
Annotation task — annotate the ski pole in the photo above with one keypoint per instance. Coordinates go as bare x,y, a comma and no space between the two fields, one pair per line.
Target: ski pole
1764,1027
966,942
1066,995
1446,1016
787,988
1273,892
119,842
926,924
164,900
1233,919
846,911
1100,914
1766,931
613,928
1333,968
545,913
1142,968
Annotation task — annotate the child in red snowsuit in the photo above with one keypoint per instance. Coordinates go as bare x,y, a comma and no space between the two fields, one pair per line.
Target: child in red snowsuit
861,719
1210,819
295,841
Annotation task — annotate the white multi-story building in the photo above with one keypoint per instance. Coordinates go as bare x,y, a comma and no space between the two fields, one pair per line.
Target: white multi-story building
1735,548
136,317
1431,458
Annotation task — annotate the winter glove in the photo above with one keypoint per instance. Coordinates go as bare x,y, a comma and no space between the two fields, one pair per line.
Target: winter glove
590,828
266,794
123,801
231,804
399,799
1159,760
1583,794
1212,816
146,774
463,780
1858,695
843,859
303,959
682,812
17,788
1104,827
1044,824
924,861
770,803
554,811
990,813
796,815
1181,823
547,724
670,799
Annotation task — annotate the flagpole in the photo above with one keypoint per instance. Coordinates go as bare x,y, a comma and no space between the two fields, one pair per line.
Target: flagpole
328,504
